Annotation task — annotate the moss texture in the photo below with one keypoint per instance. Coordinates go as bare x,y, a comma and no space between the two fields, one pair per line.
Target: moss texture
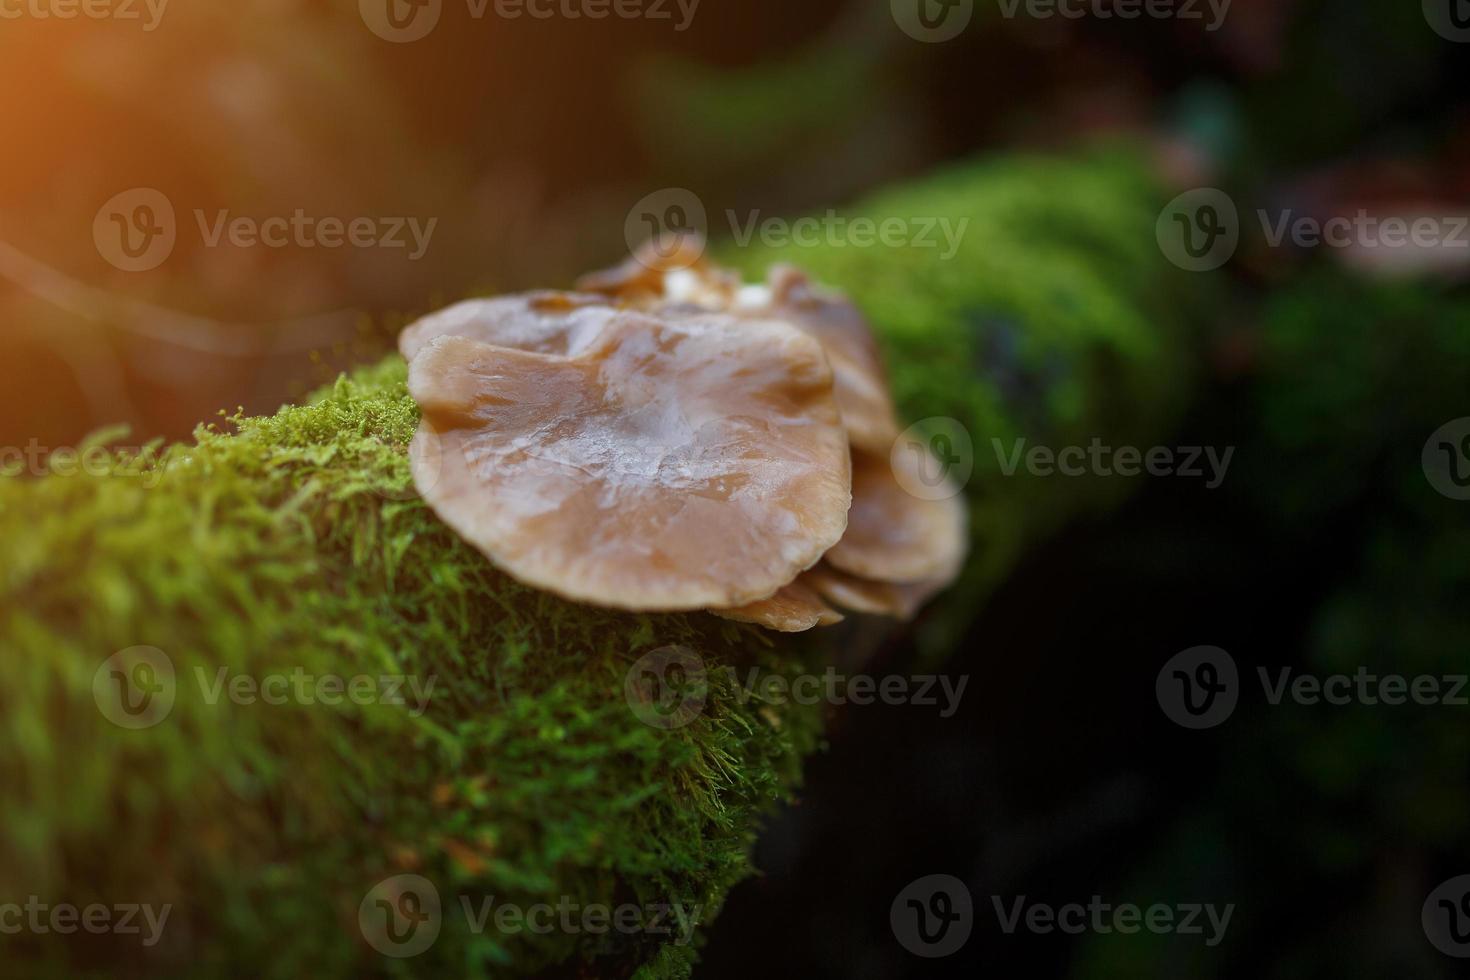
294,543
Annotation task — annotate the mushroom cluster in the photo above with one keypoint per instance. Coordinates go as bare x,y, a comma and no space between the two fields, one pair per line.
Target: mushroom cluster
669,439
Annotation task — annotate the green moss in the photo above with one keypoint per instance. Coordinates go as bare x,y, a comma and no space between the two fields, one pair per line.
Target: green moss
295,542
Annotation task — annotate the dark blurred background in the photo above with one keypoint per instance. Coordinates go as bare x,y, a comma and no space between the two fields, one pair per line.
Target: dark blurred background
1060,777
528,140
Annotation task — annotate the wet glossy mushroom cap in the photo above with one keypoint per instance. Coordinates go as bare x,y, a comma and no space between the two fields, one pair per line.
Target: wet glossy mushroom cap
546,322
862,595
796,608
894,536
675,278
667,465
862,383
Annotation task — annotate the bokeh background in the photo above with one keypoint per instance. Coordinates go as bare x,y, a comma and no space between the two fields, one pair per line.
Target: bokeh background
529,141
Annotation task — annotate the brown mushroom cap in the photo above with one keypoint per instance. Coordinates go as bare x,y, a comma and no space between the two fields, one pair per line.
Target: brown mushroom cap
546,322
665,465
862,383
893,536
863,595
796,608
674,277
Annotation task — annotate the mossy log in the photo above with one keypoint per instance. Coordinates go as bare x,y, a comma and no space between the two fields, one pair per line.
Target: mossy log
294,545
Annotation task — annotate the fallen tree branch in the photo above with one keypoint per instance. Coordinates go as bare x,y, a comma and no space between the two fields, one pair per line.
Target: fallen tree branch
260,560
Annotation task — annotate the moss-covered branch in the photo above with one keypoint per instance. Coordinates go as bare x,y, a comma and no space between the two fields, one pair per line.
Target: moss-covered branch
293,545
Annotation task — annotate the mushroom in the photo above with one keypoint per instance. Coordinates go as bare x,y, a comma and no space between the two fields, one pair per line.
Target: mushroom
899,549
894,536
650,463
861,595
675,278
544,322
862,383
793,609
616,442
